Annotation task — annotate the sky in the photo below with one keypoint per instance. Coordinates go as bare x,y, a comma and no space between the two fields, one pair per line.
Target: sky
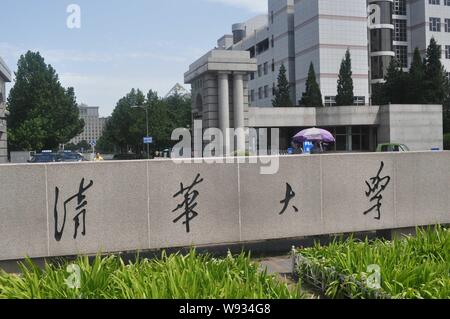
121,44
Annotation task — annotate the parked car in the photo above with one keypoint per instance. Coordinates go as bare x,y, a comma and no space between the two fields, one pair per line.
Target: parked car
44,158
392,147
70,157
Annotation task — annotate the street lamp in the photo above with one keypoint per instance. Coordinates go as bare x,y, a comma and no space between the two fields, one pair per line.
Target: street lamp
146,117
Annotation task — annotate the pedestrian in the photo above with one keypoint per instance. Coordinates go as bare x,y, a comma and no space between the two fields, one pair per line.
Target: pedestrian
98,158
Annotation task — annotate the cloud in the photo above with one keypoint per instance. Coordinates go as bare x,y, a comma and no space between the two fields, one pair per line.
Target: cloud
256,6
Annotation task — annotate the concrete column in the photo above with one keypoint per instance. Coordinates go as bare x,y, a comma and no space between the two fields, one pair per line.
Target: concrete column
238,102
224,108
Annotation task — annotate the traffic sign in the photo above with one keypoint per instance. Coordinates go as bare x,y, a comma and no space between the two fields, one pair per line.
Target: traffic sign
93,143
148,140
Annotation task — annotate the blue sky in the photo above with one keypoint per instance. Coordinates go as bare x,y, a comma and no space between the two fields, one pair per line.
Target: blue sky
146,44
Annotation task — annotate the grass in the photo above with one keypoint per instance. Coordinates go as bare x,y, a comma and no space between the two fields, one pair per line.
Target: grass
193,276
411,268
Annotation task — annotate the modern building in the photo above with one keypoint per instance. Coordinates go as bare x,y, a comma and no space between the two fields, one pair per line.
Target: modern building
94,124
296,33
5,76
232,85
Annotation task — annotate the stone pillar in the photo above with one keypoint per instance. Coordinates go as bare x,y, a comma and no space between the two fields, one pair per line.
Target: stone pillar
238,102
224,108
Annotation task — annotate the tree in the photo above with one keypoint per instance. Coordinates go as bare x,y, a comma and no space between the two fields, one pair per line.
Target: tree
312,96
436,81
43,114
416,87
127,126
396,85
345,94
282,92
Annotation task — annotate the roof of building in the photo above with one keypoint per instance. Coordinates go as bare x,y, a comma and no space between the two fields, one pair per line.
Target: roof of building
179,90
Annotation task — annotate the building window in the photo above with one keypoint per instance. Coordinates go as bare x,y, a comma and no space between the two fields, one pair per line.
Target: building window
447,24
262,46
446,2
400,33
260,70
252,95
271,17
401,53
266,68
260,93
435,24
266,91
273,65
447,51
330,101
252,76
400,7
272,41
359,101
438,2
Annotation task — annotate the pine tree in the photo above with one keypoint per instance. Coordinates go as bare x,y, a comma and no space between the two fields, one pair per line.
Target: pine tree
282,92
416,77
312,96
436,81
395,87
43,114
345,94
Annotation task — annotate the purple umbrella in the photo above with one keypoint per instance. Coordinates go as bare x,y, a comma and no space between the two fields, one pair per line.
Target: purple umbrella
314,135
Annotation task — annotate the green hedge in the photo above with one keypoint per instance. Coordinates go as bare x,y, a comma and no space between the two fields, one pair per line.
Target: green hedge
411,268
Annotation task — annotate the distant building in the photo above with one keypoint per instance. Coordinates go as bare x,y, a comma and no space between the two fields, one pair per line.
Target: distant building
233,85
296,33
179,90
5,76
94,124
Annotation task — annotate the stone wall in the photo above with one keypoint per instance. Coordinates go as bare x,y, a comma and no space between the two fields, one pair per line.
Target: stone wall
128,206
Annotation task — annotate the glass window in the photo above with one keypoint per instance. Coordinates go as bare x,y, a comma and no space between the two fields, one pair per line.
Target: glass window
447,51
447,24
400,7
435,24
437,2
330,101
359,100
401,53
400,33
266,68
266,91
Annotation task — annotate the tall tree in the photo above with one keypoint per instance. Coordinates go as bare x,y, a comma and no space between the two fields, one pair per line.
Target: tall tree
127,126
345,94
395,87
42,114
312,96
416,85
282,91
436,81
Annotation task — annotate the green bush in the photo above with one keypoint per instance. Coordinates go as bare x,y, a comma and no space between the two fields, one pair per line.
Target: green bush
171,277
447,142
411,268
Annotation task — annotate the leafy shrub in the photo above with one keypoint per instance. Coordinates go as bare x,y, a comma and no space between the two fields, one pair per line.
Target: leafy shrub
192,276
